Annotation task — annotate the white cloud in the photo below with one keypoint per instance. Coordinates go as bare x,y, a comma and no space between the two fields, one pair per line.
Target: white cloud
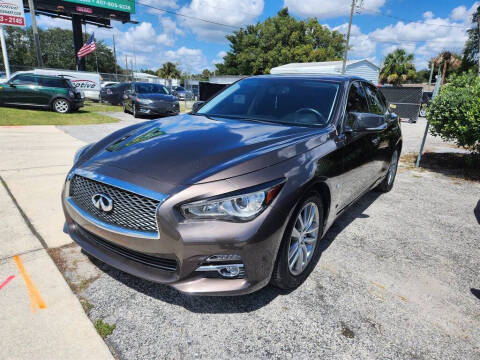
328,9
232,13
189,60
219,58
461,13
170,26
47,22
361,45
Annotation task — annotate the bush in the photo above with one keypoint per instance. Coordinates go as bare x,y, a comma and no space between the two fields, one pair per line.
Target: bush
454,114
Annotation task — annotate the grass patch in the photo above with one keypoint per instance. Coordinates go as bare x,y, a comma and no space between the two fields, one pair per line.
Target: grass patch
88,114
104,329
460,165
87,306
102,107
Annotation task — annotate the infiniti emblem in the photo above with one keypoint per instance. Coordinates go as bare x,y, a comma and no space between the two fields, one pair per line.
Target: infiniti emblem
102,202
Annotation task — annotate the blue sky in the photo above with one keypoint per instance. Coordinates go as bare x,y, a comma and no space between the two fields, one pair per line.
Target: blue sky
422,27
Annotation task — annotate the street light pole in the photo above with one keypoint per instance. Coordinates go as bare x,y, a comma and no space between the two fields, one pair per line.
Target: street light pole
36,38
344,65
4,52
478,22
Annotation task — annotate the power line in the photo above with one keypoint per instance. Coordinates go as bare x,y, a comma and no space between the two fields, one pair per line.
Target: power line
187,16
378,12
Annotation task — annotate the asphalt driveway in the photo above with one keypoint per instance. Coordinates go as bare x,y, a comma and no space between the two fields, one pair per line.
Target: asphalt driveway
398,279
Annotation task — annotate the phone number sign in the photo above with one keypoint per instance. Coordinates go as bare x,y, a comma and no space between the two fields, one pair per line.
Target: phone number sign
119,5
11,13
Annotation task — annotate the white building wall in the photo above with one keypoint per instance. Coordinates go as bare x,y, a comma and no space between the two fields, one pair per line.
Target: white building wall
364,70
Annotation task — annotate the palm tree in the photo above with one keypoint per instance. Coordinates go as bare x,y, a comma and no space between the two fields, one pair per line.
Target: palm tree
448,59
397,68
168,71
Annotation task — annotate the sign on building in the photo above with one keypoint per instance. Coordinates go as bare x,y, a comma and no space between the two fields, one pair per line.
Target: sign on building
119,5
11,13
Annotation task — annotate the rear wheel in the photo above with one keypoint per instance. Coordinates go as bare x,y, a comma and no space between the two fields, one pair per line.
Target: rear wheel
299,251
61,106
423,111
387,184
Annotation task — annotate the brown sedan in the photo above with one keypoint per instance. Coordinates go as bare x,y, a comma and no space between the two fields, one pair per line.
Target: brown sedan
239,194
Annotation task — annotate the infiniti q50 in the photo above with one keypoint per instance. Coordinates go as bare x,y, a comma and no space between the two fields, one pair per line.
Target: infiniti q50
239,193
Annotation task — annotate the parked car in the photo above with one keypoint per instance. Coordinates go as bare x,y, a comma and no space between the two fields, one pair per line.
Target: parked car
30,89
426,99
147,99
239,194
182,94
113,93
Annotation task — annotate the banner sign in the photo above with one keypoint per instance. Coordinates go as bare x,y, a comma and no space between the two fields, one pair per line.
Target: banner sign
119,5
11,13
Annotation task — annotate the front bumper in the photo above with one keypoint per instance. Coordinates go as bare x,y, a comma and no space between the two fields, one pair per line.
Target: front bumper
187,244
163,110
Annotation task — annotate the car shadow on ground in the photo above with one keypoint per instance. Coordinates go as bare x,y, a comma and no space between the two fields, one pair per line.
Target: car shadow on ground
237,304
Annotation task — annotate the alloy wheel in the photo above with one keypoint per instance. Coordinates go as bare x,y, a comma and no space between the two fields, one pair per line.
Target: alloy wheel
303,238
61,106
393,168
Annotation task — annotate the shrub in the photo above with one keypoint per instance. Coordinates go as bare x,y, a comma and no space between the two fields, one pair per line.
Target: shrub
454,114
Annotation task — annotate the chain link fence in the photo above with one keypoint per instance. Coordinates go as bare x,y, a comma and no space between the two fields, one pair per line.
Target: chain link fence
407,100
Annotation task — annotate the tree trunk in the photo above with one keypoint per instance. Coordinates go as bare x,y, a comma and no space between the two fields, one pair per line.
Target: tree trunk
444,71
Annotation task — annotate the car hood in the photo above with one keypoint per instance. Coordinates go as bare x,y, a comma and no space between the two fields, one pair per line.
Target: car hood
188,149
156,96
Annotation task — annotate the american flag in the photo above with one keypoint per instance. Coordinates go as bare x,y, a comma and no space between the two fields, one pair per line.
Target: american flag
88,48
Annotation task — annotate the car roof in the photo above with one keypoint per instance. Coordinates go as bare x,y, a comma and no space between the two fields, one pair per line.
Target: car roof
339,78
42,76
145,83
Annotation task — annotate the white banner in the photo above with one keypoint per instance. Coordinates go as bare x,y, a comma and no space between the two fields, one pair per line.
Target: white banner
11,13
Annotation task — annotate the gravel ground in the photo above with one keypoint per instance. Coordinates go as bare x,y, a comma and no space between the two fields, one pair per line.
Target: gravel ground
398,279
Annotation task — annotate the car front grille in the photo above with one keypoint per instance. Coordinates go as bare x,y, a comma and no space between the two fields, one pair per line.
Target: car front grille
130,210
145,259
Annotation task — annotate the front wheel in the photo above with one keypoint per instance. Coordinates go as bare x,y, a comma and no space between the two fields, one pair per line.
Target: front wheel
423,111
134,110
387,183
299,251
61,106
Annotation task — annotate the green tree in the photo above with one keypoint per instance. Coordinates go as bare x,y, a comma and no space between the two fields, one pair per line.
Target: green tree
57,50
279,40
470,52
454,114
206,74
397,68
169,71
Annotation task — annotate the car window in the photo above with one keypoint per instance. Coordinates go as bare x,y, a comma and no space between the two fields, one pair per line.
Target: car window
52,82
356,102
151,89
288,100
25,79
377,106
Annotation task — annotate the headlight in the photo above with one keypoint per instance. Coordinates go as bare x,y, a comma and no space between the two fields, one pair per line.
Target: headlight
144,101
80,152
240,207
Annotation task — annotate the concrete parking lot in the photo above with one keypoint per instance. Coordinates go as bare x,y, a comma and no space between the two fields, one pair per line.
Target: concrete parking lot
398,278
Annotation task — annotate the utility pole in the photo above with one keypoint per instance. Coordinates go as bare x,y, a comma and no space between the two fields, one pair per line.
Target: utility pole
126,67
35,33
478,23
4,52
344,65
115,57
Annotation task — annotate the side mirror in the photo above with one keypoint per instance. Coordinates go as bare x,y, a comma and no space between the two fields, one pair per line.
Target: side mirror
11,84
197,105
365,122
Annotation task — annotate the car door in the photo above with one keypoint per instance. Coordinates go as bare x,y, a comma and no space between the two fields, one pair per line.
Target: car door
380,138
50,87
130,95
22,89
358,150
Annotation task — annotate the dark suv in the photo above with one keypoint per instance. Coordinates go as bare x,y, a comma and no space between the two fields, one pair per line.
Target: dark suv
51,92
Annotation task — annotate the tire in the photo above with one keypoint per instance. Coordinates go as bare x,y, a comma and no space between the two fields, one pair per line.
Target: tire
61,106
124,108
289,275
423,112
134,111
387,183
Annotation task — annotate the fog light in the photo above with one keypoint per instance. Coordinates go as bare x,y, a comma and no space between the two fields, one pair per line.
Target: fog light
229,271
225,257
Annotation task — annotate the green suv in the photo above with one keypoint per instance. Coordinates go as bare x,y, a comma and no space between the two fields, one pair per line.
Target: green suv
51,92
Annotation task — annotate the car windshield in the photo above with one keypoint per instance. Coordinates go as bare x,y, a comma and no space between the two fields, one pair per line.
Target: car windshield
151,88
287,100
179,88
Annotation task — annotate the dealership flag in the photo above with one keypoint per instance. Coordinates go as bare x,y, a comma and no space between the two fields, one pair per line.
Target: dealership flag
88,48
